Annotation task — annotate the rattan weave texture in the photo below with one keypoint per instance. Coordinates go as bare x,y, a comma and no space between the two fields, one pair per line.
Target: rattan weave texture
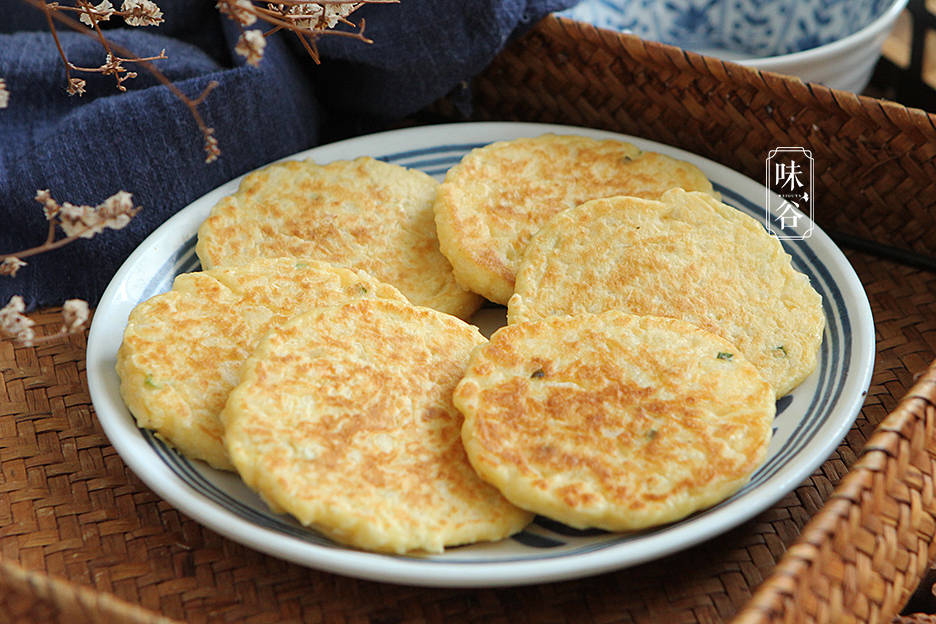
82,539
862,557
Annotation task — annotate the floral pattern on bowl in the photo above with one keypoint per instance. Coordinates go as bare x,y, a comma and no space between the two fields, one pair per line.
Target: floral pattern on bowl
734,29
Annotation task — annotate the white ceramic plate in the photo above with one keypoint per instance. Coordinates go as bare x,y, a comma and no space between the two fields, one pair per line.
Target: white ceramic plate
810,423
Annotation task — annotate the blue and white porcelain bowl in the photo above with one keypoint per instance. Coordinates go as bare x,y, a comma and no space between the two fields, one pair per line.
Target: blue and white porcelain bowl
834,42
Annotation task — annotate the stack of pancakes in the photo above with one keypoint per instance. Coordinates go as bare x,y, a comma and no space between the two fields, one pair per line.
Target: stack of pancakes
324,354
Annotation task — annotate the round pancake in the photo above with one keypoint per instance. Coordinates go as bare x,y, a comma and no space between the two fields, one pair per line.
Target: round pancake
687,256
182,350
364,214
498,196
344,418
614,421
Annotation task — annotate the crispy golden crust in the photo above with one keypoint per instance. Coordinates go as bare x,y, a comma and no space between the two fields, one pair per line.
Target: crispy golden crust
364,214
498,196
686,256
344,419
613,420
182,350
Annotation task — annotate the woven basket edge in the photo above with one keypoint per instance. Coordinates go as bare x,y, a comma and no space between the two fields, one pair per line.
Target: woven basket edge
898,115
769,601
70,598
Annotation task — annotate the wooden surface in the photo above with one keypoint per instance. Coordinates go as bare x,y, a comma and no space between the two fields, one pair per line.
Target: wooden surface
897,46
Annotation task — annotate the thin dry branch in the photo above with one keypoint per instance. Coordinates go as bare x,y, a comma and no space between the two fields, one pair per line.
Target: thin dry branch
115,213
77,85
307,19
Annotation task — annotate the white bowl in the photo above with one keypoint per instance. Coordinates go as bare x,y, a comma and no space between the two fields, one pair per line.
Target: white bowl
833,42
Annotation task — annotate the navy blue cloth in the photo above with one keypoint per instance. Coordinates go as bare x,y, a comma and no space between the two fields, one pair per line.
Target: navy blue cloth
84,149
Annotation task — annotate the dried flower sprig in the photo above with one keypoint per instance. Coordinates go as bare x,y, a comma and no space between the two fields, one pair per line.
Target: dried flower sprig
4,94
307,19
75,222
134,13
14,323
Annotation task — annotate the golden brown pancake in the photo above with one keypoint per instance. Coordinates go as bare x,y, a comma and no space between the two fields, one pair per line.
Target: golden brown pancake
687,256
344,418
182,350
364,214
613,420
498,196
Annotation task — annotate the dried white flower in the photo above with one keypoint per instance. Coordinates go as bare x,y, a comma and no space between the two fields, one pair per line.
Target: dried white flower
4,94
10,265
78,220
241,11
102,13
335,12
74,314
75,86
14,323
114,212
49,206
251,45
141,13
211,146
309,15
313,15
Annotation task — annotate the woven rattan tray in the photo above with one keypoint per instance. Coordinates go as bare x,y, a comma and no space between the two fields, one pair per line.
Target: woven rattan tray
82,539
